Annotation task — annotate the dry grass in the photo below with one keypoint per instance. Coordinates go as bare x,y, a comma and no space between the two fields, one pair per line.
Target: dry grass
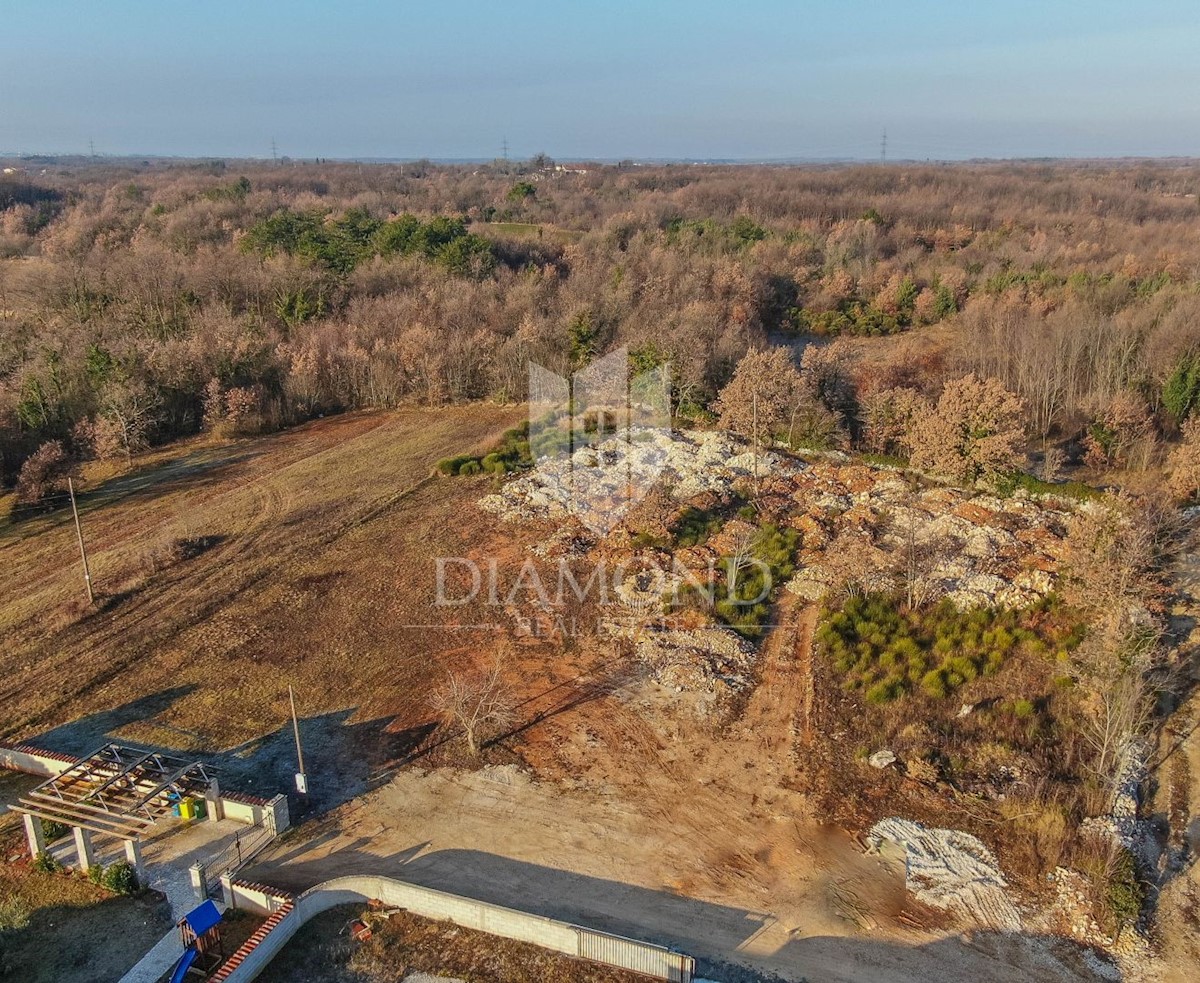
406,943
53,927
319,546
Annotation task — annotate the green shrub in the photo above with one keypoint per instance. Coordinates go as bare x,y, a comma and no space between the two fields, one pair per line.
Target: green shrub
744,603
46,863
120,878
1125,893
694,527
874,640
512,453
96,874
1022,709
54,831
934,683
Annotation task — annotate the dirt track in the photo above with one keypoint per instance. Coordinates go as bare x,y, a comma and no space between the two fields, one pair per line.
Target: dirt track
692,843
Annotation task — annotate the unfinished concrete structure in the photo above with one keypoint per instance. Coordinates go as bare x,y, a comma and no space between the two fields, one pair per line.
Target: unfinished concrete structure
116,791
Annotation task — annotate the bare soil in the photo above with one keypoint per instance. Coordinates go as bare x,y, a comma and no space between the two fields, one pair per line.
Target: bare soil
609,802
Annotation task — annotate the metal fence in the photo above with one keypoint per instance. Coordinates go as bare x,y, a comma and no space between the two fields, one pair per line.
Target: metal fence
246,846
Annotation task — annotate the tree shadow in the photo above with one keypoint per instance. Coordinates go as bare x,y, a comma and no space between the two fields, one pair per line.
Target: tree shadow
196,470
86,734
342,759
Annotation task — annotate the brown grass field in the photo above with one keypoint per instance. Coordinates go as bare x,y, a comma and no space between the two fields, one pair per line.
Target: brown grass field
319,555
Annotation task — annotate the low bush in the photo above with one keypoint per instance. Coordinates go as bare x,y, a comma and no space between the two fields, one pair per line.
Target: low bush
743,604
54,831
887,652
1036,486
513,453
120,878
14,914
46,863
694,527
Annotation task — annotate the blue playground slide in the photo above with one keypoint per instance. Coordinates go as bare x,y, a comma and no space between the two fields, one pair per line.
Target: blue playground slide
184,964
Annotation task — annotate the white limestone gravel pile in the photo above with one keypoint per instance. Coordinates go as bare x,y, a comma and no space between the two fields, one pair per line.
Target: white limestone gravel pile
950,870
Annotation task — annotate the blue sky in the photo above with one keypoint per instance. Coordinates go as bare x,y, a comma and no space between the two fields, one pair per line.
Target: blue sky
676,78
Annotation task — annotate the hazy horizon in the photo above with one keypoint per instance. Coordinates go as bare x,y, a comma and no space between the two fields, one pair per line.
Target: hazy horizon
697,81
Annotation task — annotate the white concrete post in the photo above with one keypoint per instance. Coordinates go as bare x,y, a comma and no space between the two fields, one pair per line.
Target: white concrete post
33,833
83,848
213,804
133,854
199,882
227,891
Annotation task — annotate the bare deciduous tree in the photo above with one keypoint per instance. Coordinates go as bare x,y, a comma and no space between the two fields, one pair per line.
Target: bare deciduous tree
1114,556
478,701
131,410
768,396
758,400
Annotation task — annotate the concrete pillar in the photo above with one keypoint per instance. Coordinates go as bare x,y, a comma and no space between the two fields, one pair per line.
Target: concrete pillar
33,833
212,801
199,881
133,854
277,818
227,891
83,848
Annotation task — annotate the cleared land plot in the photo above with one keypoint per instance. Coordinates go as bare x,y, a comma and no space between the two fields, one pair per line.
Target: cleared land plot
315,567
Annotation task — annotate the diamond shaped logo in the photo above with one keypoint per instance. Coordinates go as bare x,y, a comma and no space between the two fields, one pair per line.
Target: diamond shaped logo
597,436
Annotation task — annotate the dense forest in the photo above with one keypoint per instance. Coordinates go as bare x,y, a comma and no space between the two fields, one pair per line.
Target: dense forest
144,302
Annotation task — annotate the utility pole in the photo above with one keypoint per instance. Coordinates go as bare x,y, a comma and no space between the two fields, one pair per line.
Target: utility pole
504,148
883,148
274,152
301,776
87,574
92,147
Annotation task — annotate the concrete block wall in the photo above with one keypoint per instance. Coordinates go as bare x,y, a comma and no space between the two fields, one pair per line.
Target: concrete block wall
548,933
34,760
252,896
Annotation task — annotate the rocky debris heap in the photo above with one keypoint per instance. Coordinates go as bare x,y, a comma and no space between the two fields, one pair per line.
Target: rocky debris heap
950,870
708,658
599,481
1122,824
1070,914
872,526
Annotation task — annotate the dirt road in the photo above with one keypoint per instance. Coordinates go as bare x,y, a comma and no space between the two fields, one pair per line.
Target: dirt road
698,844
